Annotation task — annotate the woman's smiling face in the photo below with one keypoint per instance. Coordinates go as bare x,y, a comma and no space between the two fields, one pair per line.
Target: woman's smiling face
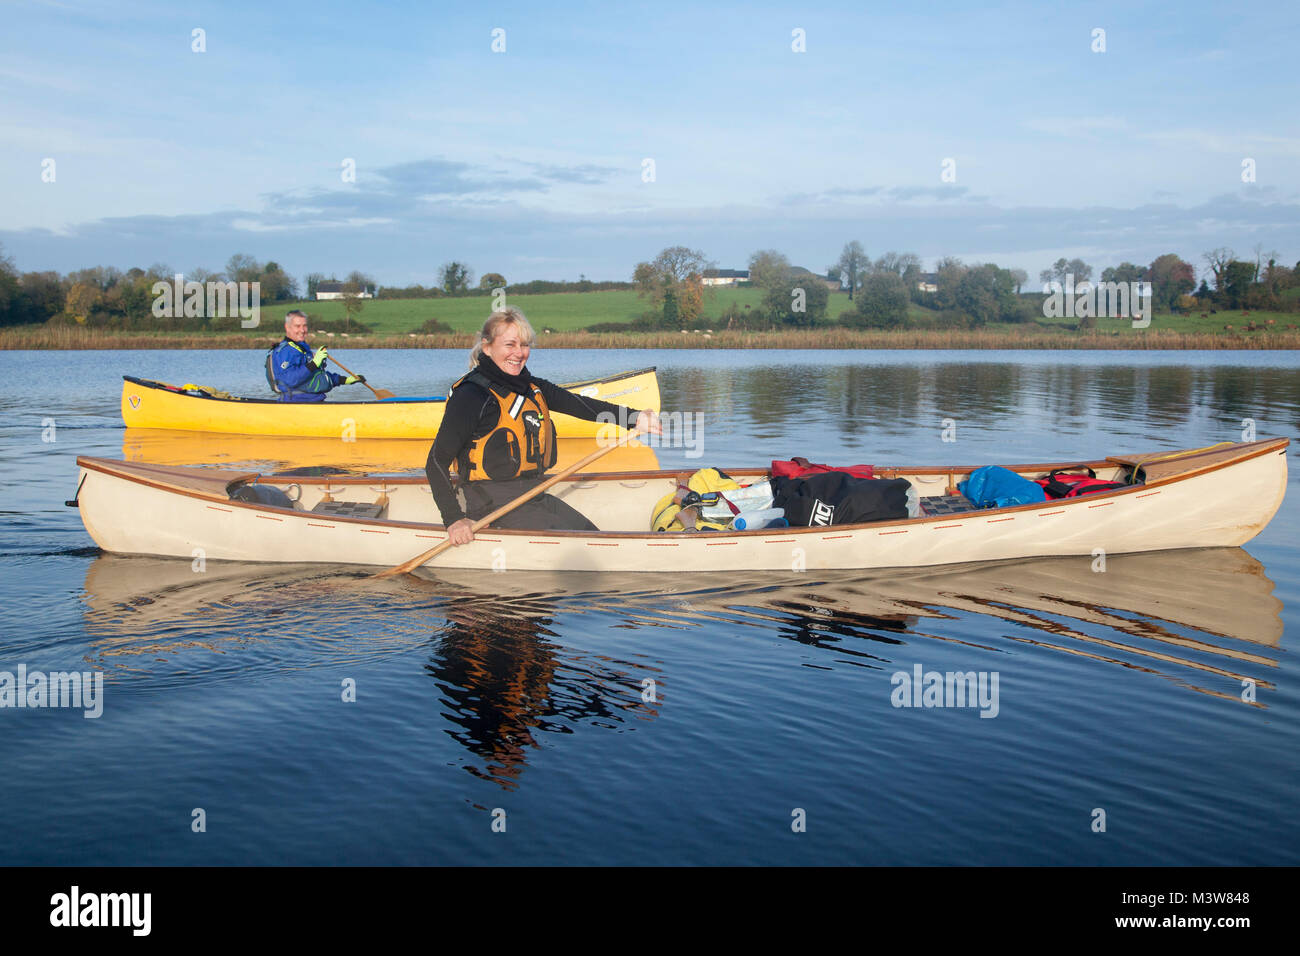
508,350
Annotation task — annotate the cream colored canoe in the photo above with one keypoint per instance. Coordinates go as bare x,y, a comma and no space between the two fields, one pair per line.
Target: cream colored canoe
149,404
1220,497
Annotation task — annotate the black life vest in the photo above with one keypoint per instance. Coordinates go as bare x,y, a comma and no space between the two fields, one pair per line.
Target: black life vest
270,364
270,369
521,445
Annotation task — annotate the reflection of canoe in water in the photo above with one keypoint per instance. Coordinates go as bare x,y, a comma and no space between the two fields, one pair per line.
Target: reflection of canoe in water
1215,498
1220,592
162,446
1200,617
149,404
1209,612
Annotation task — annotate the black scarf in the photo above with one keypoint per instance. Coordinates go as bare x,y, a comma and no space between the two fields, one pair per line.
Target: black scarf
520,384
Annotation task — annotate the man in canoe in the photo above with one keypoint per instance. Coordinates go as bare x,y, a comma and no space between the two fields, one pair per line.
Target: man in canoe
295,371
497,431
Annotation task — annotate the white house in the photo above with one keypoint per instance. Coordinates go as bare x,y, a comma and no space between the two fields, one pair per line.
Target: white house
334,290
725,276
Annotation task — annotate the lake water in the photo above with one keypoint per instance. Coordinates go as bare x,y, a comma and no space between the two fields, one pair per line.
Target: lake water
770,736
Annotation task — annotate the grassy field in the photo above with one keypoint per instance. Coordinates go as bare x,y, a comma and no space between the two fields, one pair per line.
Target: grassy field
561,311
569,311
1196,322
569,315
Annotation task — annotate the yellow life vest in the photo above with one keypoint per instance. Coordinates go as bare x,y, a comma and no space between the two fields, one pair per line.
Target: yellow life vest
521,445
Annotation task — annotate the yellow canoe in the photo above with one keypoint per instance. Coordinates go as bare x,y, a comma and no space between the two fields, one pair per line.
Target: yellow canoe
149,404
159,446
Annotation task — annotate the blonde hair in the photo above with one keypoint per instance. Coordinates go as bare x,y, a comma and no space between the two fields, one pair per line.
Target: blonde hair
493,327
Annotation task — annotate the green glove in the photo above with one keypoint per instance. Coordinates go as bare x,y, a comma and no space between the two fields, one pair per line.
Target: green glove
318,357
354,379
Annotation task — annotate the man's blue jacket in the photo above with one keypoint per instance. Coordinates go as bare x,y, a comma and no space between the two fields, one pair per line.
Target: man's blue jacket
292,377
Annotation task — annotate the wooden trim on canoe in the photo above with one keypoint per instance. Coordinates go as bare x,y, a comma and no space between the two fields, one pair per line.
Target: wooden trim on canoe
209,482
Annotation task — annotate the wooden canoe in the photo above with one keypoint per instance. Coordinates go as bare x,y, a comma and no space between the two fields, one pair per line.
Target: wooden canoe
150,404
1220,497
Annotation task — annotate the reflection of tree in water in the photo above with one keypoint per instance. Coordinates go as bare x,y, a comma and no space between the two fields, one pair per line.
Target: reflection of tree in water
504,682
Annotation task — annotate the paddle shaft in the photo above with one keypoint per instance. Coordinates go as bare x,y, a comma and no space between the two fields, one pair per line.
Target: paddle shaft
508,507
380,393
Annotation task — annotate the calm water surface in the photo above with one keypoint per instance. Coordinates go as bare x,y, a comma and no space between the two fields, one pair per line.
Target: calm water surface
524,698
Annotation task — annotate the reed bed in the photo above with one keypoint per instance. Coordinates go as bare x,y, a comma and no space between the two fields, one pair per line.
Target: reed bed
77,338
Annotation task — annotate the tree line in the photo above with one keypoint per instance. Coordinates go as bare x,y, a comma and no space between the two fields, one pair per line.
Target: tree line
882,290
955,295
107,297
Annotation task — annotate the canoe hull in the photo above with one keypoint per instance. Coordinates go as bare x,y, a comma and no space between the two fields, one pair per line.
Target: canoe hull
146,406
140,509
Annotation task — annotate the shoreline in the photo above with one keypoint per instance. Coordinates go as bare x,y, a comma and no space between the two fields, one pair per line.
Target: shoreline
49,339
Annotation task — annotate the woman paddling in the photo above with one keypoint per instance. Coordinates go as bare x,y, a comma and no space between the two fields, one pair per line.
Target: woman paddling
497,431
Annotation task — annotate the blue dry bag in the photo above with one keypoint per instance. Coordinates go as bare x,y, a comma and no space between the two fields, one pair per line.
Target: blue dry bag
996,487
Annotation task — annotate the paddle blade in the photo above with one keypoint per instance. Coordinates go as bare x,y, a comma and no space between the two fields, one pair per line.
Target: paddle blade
414,563
383,393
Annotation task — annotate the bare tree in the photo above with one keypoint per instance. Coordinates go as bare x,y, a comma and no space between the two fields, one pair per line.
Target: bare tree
360,280
1217,260
242,268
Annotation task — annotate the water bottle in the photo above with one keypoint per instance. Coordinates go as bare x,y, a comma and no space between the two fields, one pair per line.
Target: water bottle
767,518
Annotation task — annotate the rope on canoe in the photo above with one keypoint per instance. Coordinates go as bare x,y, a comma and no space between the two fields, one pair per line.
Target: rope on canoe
1140,463
213,392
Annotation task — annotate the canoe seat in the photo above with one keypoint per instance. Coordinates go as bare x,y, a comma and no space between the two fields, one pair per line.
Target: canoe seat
947,505
350,509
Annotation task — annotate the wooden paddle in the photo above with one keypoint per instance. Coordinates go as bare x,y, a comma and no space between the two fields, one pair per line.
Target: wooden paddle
380,393
508,507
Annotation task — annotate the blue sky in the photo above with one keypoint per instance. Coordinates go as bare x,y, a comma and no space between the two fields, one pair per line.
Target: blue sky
529,162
